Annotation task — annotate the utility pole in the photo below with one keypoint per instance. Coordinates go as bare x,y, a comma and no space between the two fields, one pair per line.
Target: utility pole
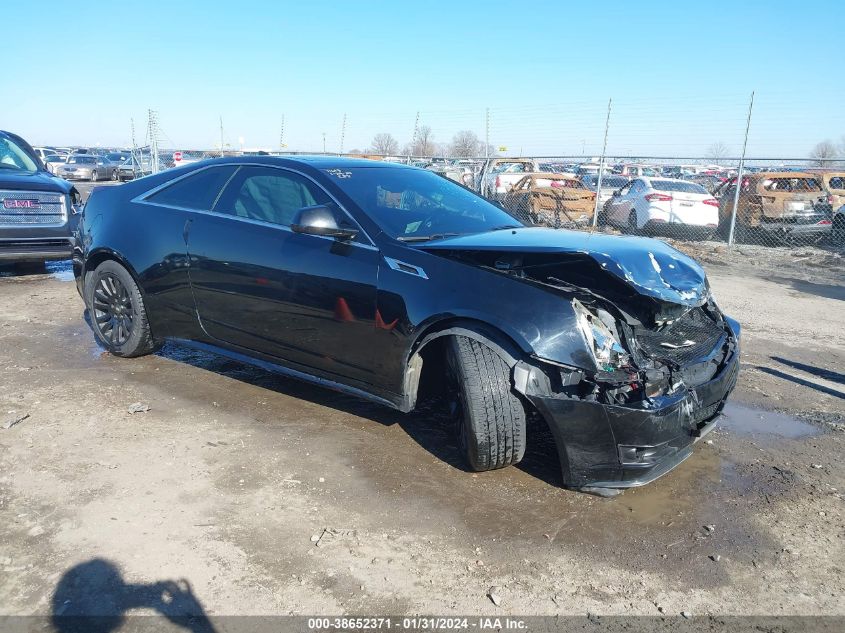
152,131
487,133
282,135
221,135
324,142
134,154
601,165
343,133
739,173
414,137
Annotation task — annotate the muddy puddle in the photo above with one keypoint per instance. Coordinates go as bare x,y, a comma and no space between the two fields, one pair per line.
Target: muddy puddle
60,270
759,424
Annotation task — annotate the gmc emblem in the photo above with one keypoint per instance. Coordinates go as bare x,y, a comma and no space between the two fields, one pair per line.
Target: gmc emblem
11,203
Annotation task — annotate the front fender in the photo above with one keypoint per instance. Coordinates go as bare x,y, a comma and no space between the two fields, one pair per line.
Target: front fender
535,321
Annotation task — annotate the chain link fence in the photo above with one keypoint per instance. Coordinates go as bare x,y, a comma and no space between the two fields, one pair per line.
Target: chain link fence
692,202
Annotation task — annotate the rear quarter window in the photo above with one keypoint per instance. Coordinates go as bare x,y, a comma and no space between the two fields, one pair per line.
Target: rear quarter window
836,183
197,191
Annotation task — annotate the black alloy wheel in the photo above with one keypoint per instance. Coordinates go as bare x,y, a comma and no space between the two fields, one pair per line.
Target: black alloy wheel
113,312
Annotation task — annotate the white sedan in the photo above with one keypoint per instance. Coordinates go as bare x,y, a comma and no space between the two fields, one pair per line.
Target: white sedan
663,206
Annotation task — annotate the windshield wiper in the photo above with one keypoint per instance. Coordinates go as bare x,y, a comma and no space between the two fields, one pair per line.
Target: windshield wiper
425,238
507,226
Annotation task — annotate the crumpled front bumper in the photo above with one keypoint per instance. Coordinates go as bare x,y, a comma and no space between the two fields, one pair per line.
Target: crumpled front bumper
613,446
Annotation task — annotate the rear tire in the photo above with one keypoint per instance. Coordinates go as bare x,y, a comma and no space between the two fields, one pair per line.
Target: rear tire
94,176
114,175
116,307
491,417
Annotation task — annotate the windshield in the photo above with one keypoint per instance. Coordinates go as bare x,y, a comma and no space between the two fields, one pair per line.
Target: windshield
54,158
116,157
82,160
411,203
677,185
13,156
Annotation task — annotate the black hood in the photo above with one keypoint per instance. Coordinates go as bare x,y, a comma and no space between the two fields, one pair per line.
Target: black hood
646,277
33,181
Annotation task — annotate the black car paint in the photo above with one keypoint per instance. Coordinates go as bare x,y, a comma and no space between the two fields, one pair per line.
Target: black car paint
336,311
34,242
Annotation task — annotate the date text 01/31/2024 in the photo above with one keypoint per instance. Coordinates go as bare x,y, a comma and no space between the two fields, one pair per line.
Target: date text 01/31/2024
416,623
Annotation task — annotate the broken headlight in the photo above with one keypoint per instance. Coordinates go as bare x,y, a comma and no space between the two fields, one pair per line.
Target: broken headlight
602,337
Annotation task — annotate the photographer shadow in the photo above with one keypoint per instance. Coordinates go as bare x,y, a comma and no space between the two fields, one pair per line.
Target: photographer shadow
92,597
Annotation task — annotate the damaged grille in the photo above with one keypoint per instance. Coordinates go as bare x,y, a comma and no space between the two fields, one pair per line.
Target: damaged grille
688,339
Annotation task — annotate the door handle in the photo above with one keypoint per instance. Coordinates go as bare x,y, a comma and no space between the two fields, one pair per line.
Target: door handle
186,229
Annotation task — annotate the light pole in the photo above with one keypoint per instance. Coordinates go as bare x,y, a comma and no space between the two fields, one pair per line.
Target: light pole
324,142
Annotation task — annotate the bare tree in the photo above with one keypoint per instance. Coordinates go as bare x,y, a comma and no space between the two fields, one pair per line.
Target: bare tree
423,144
384,143
465,144
823,154
717,151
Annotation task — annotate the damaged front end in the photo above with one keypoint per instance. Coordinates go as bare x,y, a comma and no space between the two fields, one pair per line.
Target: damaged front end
659,360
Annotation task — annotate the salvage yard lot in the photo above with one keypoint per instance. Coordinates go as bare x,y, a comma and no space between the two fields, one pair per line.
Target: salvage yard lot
272,496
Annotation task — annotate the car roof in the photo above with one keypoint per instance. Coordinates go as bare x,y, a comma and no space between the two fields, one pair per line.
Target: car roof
317,162
781,174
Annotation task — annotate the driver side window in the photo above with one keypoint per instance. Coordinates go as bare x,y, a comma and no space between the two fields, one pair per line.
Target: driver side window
269,195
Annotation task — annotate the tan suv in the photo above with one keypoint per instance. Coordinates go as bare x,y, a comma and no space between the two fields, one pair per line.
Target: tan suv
551,200
833,183
779,203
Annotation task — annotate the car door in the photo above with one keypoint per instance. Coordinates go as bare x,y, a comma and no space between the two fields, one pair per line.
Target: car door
258,285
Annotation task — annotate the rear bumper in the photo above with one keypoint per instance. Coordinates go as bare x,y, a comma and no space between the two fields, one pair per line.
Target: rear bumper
798,228
676,228
610,446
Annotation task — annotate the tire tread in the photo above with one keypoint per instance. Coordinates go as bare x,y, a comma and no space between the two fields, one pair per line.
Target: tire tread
493,412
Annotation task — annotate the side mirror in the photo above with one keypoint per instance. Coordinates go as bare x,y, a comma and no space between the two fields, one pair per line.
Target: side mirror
320,220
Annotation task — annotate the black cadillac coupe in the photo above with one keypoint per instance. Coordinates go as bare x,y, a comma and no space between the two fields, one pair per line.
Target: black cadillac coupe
376,278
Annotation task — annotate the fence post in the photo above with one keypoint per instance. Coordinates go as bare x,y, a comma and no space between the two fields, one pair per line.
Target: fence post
739,174
152,133
601,165
487,133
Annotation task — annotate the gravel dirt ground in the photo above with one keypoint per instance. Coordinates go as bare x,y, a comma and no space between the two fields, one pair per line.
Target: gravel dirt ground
269,496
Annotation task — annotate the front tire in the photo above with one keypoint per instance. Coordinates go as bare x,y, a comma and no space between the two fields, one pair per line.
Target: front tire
116,307
94,176
837,233
492,420
632,222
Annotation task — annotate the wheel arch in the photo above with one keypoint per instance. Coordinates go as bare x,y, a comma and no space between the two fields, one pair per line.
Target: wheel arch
494,337
103,254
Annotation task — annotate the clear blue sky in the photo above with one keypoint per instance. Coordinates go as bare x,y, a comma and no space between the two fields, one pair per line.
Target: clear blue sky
680,73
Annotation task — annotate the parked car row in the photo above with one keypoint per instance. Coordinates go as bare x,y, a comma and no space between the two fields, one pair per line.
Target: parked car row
83,163
774,206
